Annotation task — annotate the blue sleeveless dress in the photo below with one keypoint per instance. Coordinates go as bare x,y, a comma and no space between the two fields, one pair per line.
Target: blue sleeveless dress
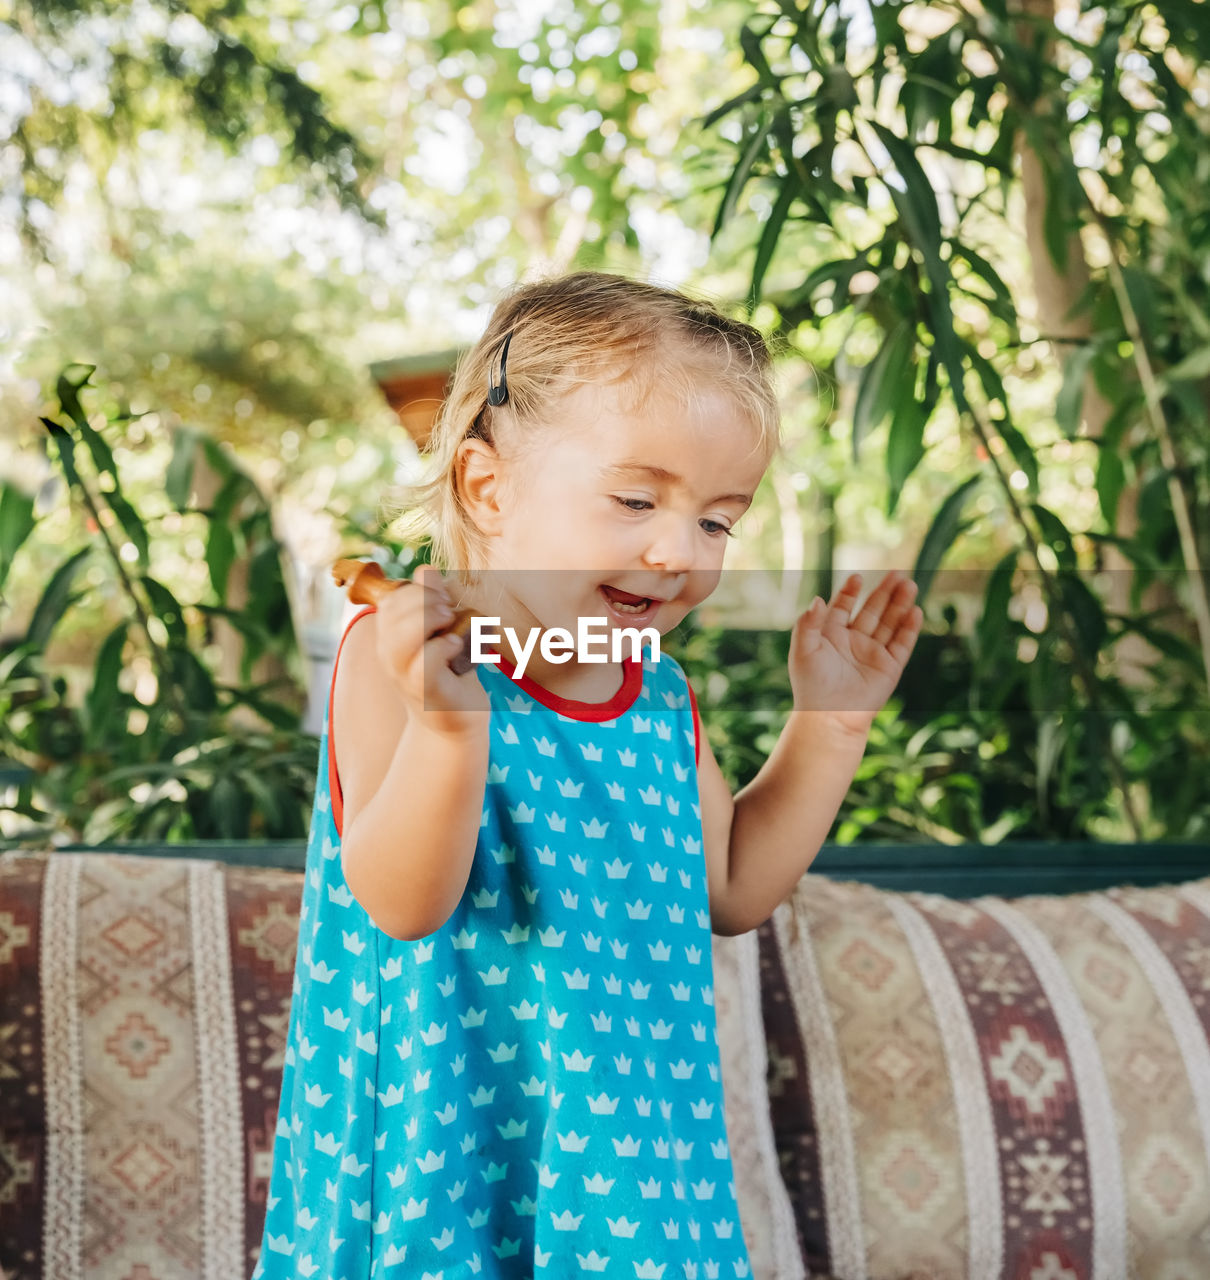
532,1091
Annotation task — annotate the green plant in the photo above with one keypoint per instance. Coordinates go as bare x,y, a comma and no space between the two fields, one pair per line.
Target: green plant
902,148
158,748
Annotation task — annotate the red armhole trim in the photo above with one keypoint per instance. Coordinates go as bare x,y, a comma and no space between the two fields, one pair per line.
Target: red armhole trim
697,725
338,808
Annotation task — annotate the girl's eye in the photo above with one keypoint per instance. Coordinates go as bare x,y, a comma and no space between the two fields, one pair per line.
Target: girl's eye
635,504
715,528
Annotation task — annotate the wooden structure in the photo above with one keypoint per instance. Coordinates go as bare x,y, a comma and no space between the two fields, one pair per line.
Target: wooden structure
415,386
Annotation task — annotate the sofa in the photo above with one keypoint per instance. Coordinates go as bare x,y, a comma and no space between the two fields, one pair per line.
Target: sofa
975,1062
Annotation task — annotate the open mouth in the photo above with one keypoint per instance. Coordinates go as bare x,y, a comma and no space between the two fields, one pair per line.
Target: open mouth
627,604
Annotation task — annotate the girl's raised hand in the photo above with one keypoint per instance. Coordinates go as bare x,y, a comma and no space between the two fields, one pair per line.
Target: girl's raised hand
417,657
847,664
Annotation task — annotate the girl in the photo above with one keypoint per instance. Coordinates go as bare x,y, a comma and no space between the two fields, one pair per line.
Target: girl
502,1057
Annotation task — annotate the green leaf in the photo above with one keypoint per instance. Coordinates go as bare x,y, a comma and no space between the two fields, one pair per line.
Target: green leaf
1193,368
135,530
178,483
749,42
56,600
988,274
65,446
220,555
1111,479
905,444
1142,301
1056,535
68,389
1086,611
943,532
757,141
1022,452
16,522
839,273
229,810
194,679
272,803
916,201
1071,396
771,233
102,698
995,626
1173,646
888,379
750,94
167,608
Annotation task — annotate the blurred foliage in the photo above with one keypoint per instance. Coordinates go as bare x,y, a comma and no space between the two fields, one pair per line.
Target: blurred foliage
861,177
152,751
962,753
903,148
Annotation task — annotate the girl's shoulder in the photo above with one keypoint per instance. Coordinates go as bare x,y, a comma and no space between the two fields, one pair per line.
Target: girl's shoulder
666,673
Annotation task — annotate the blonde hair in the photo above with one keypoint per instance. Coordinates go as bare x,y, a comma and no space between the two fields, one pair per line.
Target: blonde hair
569,330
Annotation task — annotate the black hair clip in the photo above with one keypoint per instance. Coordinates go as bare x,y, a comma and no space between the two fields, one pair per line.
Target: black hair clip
497,393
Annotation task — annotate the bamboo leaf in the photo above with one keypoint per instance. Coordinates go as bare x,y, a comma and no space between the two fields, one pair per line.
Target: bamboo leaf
916,201
887,379
65,446
1193,368
1056,535
16,522
749,42
67,389
771,233
102,698
988,274
178,483
167,608
942,534
995,626
220,555
55,600
905,446
1071,395
1111,479
1022,452
756,142
1086,613
750,94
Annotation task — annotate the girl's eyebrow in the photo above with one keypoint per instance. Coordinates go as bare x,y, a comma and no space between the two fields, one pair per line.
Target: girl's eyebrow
621,470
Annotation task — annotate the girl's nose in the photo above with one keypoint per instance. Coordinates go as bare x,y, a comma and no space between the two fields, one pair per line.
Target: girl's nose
671,547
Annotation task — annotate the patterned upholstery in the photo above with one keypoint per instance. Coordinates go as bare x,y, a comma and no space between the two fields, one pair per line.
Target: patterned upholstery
1016,1090
992,1089
143,1008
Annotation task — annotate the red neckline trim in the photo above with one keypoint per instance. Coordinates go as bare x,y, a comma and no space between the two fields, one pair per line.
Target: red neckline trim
618,704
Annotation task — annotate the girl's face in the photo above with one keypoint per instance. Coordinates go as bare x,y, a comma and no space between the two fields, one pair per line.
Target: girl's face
614,515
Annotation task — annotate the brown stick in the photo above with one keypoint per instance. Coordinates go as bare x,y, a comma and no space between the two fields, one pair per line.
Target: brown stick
369,585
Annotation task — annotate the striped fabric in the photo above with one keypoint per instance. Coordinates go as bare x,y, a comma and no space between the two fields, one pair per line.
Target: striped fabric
143,1007
991,1089
980,1089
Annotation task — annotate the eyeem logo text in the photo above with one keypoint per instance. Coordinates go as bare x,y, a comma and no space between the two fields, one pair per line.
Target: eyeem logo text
591,642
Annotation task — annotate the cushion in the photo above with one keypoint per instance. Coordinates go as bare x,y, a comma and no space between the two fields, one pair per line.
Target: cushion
991,1088
143,1015
766,1215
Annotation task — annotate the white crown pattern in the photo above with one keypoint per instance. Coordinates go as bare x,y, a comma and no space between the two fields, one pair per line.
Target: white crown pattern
542,1070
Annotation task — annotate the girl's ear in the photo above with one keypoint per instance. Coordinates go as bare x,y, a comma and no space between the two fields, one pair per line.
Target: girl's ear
480,482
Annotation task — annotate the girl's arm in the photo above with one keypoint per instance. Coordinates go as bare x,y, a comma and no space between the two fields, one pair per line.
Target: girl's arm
413,795
844,663
760,844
